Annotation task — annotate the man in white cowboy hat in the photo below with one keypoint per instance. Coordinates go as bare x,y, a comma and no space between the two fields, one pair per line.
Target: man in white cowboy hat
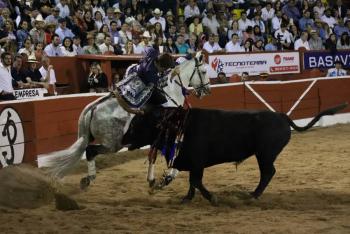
157,17
37,32
146,37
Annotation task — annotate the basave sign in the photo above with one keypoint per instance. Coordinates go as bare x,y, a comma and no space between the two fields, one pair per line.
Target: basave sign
326,59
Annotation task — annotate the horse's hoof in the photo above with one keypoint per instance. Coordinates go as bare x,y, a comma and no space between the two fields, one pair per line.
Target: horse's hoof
152,183
214,200
84,183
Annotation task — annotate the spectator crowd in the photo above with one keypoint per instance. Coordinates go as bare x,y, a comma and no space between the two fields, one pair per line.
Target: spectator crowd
39,28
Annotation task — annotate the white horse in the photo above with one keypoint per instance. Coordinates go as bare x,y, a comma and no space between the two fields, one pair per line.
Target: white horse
106,121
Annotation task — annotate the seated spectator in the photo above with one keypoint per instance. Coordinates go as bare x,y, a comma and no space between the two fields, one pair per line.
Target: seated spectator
211,46
248,34
53,17
258,35
182,47
37,33
114,32
221,78
157,17
6,88
67,47
257,21
318,26
210,23
183,32
145,43
137,46
39,51
158,31
49,31
315,42
196,26
64,9
106,47
170,46
244,22
28,48
319,8
340,28
54,48
97,80
328,18
291,11
267,13
248,45
22,33
277,21
18,73
91,47
234,45
124,34
191,10
343,42
171,32
47,72
98,20
235,30
7,34
128,48
337,70
62,31
245,76
90,23
77,45
283,37
302,42
271,44
258,46
331,43
32,74
305,21
193,43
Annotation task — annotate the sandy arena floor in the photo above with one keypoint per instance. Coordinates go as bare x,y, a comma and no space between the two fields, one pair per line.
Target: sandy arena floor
310,193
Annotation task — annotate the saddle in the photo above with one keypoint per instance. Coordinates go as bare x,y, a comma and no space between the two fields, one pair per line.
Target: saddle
132,90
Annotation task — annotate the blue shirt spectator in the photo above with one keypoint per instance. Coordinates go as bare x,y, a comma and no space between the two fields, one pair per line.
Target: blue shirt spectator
291,11
305,21
62,31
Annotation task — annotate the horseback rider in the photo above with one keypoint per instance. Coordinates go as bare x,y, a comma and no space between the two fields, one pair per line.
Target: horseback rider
153,72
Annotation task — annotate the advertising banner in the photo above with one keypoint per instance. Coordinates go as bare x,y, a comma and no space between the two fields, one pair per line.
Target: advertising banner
326,59
254,63
29,93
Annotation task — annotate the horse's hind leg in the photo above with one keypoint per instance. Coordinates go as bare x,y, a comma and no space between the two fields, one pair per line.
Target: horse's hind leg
267,171
91,152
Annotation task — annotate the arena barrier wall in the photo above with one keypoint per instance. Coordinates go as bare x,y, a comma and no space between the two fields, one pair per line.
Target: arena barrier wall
50,124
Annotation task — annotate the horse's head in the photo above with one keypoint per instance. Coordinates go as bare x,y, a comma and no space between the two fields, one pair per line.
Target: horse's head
195,71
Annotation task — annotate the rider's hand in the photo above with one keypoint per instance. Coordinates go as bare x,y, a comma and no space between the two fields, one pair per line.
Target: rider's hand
175,72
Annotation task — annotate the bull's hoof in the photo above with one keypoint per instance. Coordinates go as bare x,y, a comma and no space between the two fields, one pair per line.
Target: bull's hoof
254,195
84,183
214,200
185,200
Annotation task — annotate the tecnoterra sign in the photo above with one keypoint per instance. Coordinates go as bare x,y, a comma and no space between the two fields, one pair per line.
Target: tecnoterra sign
254,63
11,138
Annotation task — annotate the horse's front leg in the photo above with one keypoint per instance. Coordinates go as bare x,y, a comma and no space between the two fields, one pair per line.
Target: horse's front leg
150,174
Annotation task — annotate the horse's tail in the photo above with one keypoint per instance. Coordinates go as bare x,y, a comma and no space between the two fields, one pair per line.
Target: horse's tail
61,162
330,111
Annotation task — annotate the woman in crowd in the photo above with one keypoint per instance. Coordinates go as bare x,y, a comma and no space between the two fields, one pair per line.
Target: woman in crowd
91,47
128,48
90,23
248,45
258,34
259,45
97,80
331,43
196,26
49,32
248,34
28,48
8,33
170,46
22,33
67,47
98,20
158,31
234,29
343,42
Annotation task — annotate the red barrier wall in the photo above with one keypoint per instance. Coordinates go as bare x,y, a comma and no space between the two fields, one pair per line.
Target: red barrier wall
51,124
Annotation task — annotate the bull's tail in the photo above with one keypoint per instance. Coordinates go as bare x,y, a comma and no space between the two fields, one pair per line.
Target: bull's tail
61,162
330,111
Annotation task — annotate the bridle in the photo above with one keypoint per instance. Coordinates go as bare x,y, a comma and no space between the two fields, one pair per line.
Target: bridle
198,89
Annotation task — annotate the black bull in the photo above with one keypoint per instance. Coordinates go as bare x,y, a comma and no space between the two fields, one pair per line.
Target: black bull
214,136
